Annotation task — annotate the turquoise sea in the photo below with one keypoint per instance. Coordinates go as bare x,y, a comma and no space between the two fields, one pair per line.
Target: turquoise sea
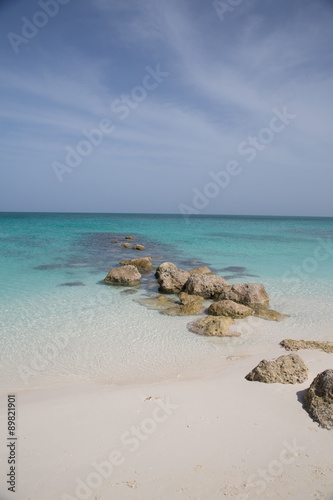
60,324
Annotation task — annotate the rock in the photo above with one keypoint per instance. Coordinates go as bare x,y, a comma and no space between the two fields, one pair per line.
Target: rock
126,245
115,241
269,314
249,294
172,280
287,369
141,263
207,286
138,247
129,292
72,283
318,400
200,270
295,345
129,238
123,276
234,269
230,309
159,302
217,326
163,267
190,305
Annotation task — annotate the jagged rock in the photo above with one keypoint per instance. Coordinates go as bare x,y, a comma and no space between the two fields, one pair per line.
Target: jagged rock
200,270
129,238
207,286
126,245
287,369
213,326
295,345
172,280
123,276
159,302
269,314
142,263
230,309
249,294
163,267
138,247
318,400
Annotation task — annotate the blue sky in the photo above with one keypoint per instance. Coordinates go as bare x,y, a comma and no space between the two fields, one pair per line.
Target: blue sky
180,91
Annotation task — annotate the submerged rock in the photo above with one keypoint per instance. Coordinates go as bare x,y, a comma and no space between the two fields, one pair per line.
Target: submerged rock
159,302
72,283
269,314
190,305
207,286
141,263
287,369
234,269
138,247
172,280
250,294
126,245
230,309
123,276
200,270
318,400
295,345
213,326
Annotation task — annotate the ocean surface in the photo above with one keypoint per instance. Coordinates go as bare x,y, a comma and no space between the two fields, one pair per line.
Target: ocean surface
61,325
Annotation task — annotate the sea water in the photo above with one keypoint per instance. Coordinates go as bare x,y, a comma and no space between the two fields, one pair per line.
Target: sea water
60,324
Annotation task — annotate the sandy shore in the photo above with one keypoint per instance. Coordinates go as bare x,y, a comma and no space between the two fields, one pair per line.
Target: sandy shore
217,437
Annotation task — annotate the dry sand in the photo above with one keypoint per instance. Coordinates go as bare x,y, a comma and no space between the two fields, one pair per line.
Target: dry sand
217,437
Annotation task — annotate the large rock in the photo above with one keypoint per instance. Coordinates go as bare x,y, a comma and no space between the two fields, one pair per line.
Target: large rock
138,247
288,369
213,326
230,309
163,267
172,280
141,263
200,270
208,286
249,294
123,276
318,400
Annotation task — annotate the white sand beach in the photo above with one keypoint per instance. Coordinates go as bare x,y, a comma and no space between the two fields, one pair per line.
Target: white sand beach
220,436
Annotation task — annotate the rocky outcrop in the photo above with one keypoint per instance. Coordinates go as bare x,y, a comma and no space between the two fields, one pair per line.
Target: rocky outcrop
318,400
213,326
207,286
138,247
129,238
172,280
126,245
200,270
123,276
295,345
163,267
230,309
269,314
249,294
288,369
141,263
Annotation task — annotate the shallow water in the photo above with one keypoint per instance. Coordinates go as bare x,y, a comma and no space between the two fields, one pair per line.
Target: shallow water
60,324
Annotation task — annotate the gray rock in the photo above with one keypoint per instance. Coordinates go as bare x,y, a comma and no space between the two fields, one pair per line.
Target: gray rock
163,267
287,369
318,400
250,294
123,276
172,280
208,286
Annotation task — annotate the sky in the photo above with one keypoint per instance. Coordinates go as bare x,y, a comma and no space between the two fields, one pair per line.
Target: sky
167,106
